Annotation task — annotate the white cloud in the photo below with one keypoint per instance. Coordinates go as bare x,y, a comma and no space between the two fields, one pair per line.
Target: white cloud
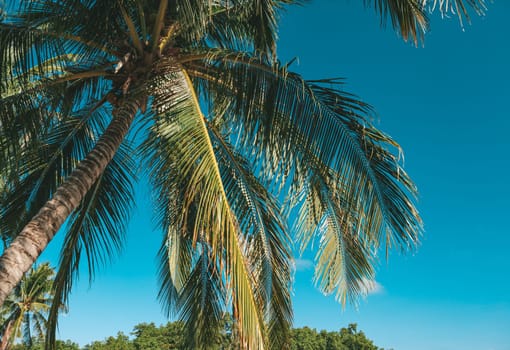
303,264
372,287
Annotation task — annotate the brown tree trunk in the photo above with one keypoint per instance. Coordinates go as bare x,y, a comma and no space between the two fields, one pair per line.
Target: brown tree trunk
6,336
36,235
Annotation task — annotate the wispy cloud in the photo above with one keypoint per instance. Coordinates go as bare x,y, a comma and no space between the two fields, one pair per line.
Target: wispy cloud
372,287
303,264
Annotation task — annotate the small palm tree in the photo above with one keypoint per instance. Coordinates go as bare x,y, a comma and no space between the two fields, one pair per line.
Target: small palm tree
26,309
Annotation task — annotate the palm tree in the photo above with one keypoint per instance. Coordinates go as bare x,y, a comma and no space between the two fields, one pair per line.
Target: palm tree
26,309
224,132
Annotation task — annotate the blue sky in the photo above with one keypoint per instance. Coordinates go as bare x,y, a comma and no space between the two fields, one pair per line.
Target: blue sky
446,104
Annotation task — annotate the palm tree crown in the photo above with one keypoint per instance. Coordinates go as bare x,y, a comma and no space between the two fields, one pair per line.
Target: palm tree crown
231,140
26,309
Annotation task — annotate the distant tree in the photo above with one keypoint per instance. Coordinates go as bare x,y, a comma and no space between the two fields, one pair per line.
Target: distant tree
332,341
356,340
346,339
304,339
121,342
38,344
150,337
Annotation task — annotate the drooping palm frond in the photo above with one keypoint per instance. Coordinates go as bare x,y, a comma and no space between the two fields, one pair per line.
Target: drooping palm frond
44,164
268,243
407,17
201,301
182,131
306,132
97,229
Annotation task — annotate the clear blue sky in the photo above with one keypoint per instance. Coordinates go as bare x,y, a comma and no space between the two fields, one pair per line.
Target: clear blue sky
447,104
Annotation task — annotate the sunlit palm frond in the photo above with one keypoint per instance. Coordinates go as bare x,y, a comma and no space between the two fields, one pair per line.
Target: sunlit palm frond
292,127
176,258
182,134
456,7
268,244
344,255
392,187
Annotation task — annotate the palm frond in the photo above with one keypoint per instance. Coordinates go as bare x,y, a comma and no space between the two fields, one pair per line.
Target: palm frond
44,164
268,245
407,17
27,334
201,302
293,126
186,146
456,7
94,30
96,228
248,25
27,306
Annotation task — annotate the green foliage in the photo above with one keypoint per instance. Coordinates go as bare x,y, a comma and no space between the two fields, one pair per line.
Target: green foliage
25,311
120,342
38,344
346,339
148,336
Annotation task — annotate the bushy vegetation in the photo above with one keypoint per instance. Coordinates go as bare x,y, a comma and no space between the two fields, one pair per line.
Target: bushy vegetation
148,336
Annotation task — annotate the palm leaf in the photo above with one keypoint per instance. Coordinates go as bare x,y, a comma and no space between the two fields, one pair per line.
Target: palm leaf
183,136
44,165
304,131
407,16
96,228
456,7
268,245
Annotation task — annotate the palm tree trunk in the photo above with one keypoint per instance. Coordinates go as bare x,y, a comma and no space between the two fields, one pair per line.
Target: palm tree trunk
6,336
35,236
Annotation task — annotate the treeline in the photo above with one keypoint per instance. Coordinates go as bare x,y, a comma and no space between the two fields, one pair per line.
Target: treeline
147,336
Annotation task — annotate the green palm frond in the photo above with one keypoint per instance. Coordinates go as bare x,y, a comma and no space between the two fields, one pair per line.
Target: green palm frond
182,135
26,308
96,229
268,244
407,17
242,24
39,324
201,302
26,331
303,132
96,32
28,111
44,164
